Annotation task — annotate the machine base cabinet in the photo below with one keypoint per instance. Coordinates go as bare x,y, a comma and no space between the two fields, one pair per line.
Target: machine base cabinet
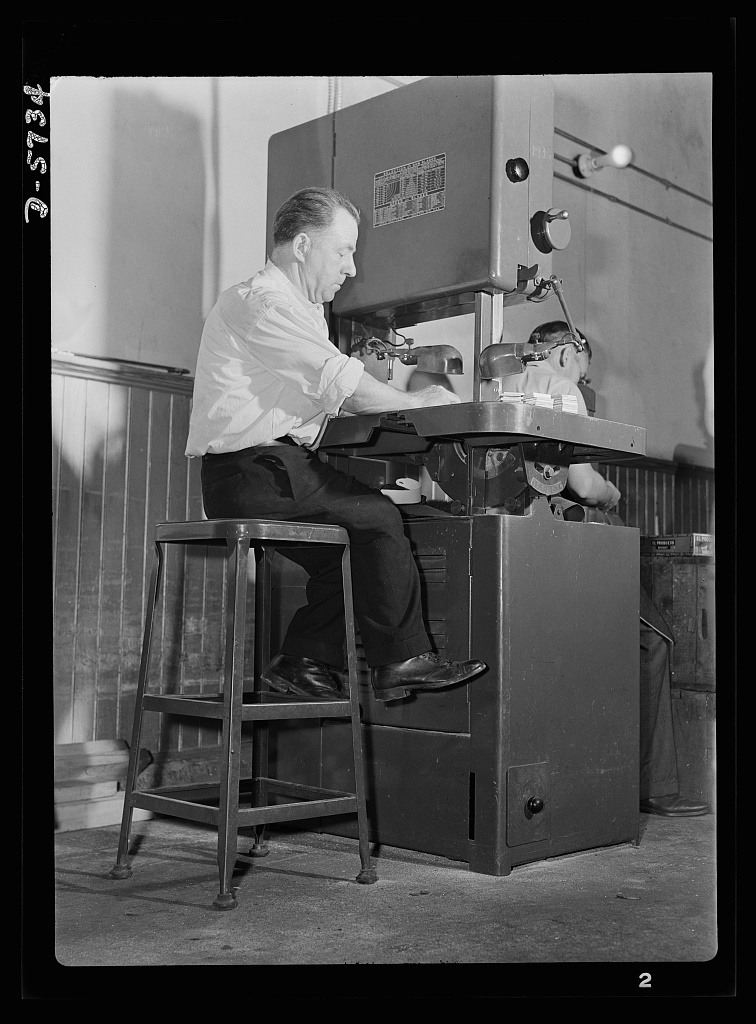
536,758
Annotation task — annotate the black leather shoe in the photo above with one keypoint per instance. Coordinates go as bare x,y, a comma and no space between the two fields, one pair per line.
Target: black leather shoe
425,672
674,806
305,678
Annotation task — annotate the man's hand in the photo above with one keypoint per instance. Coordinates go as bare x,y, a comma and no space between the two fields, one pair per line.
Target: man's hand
434,395
372,396
613,498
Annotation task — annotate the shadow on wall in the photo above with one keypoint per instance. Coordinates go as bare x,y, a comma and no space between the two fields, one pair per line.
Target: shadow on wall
157,210
702,377
117,464
154,255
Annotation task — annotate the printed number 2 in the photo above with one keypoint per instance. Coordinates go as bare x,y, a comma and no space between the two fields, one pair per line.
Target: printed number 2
645,980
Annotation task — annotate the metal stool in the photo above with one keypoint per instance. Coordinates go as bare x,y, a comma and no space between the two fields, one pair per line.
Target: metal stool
229,706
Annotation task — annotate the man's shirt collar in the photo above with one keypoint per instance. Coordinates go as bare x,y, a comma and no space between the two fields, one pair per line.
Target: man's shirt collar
280,278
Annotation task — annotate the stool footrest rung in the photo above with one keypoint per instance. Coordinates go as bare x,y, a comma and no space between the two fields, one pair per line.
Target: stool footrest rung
345,803
176,808
293,812
198,791
281,787
197,706
211,706
296,709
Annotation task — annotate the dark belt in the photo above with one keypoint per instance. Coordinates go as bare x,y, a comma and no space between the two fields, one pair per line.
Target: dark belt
229,456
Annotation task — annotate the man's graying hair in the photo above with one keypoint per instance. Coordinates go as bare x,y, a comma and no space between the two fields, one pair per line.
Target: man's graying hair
309,209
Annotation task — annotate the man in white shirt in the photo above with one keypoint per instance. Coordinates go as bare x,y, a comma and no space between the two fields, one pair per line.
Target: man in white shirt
267,381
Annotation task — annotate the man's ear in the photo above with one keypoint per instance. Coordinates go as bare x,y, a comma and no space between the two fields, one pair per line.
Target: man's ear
563,356
301,245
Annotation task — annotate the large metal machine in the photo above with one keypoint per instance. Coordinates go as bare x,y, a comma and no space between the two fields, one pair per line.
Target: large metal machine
539,756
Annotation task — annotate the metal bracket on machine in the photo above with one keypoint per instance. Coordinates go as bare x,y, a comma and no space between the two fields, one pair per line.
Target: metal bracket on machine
525,274
505,479
546,465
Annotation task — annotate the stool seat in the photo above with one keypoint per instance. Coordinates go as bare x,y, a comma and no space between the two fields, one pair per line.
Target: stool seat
231,706
283,531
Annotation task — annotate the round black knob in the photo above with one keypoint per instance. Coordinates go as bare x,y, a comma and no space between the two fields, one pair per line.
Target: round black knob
535,805
517,169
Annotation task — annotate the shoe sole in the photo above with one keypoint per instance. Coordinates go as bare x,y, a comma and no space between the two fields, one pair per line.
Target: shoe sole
406,689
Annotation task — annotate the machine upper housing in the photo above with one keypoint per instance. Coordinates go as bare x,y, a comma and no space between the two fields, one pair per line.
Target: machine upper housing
452,177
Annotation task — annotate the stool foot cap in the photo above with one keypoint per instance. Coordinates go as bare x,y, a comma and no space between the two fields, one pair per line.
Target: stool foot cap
225,901
258,850
367,876
120,871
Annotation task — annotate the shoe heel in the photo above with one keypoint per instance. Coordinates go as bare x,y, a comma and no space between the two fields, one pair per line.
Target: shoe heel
273,684
395,693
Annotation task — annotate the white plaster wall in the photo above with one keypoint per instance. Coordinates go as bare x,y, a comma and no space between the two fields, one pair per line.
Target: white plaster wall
158,201
131,197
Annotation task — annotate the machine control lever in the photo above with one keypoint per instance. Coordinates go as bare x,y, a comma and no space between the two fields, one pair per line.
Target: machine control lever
535,805
551,229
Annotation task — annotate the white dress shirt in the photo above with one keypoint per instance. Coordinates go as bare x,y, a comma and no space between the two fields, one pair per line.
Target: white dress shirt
266,368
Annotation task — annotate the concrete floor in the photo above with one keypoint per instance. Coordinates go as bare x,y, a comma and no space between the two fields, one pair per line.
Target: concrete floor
648,908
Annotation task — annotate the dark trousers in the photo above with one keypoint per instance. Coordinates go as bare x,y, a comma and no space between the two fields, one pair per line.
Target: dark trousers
658,757
286,482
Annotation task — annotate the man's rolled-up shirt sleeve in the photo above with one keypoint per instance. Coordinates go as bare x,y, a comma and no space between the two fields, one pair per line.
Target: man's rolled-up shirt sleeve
288,345
339,380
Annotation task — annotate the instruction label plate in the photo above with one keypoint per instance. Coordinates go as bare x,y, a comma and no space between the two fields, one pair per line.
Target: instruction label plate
410,190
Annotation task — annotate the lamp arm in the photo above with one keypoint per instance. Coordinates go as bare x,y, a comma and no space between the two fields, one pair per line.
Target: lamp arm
556,284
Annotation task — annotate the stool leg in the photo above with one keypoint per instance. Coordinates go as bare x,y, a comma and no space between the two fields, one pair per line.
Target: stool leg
228,810
120,868
260,728
368,874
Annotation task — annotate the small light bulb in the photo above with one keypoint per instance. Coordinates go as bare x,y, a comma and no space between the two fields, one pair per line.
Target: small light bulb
621,156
